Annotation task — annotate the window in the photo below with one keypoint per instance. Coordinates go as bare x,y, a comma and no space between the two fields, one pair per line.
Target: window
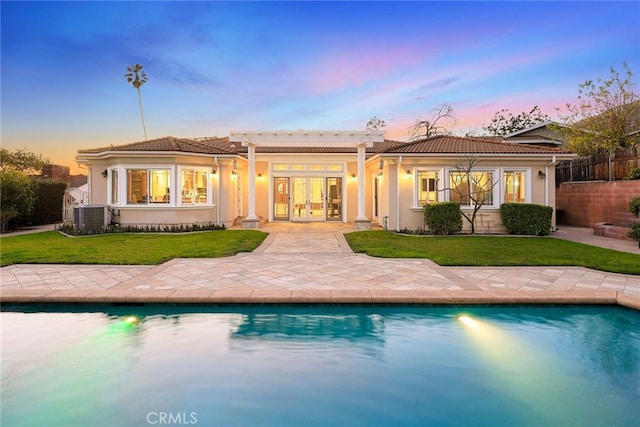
114,186
427,187
194,184
470,189
514,187
146,186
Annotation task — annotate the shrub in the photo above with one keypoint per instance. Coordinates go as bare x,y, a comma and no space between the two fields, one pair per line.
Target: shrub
634,206
443,218
526,218
47,208
633,174
634,233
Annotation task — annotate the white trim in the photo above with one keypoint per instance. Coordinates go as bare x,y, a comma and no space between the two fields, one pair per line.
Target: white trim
305,138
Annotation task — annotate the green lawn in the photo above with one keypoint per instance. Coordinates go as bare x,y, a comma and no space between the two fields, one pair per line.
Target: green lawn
53,248
492,251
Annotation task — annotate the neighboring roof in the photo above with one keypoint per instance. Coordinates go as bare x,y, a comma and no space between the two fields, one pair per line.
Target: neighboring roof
171,144
530,128
448,144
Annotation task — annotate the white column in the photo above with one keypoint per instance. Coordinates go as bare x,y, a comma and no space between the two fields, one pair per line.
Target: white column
251,215
361,182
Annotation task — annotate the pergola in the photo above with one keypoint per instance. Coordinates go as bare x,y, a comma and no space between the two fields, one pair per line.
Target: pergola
302,138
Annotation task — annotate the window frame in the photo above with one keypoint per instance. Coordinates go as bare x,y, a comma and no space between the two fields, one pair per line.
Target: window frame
118,181
527,184
417,185
181,200
495,192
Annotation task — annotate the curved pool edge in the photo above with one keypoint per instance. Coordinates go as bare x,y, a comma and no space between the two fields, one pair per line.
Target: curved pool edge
261,296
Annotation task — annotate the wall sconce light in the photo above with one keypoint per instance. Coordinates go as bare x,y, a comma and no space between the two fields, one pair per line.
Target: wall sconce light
380,175
541,174
234,174
259,177
353,177
408,174
214,173
104,173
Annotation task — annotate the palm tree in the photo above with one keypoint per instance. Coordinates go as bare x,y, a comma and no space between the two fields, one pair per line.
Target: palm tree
137,78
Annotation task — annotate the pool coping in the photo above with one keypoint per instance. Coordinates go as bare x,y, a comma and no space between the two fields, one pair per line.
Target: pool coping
261,296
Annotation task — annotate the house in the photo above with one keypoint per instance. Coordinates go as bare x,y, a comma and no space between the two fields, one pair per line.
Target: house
538,134
303,176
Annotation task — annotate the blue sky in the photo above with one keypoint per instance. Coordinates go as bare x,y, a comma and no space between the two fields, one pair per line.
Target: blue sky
214,67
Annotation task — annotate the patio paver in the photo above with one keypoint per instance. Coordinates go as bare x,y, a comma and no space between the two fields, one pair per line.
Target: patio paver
311,263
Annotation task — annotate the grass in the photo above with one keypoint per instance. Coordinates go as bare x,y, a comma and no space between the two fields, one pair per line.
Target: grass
493,251
53,248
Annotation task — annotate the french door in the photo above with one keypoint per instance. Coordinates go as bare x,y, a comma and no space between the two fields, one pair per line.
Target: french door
308,201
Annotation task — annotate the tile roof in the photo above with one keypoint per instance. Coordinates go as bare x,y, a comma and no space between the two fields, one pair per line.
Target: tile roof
448,144
441,144
171,144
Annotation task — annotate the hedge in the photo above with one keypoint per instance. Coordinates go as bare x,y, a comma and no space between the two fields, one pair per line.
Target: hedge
47,207
443,217
526,218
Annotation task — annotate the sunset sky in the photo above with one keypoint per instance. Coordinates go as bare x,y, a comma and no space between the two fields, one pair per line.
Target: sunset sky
215,67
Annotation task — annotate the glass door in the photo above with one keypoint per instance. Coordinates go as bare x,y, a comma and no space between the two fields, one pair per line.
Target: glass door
281,199
316,199
334,199
307,203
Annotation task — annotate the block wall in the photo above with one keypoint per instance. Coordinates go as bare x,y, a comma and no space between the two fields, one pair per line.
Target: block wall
584,204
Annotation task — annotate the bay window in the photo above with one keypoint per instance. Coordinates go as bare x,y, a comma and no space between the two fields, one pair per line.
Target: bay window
147,186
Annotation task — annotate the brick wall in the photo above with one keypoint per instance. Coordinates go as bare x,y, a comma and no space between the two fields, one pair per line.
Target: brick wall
583,204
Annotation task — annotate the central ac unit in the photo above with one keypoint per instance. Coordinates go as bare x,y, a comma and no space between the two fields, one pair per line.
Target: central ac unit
90,218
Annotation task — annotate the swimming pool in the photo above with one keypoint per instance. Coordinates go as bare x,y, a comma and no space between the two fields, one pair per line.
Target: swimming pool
320,365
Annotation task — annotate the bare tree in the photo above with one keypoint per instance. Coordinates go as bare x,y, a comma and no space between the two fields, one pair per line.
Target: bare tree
137,77
436,125
471,187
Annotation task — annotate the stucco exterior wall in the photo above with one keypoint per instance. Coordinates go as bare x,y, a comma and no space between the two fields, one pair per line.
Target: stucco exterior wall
401,186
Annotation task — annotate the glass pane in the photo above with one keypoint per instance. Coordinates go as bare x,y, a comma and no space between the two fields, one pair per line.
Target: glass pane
481,184
159,184
299,202
114,186
514,187
459,188
201,186
281,199
316,198
137,191
334,199
188,185
427,187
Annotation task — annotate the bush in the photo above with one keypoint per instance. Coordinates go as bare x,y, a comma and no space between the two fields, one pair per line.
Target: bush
633,174
47,208
17,196
634,206
443,218
634,233
526,218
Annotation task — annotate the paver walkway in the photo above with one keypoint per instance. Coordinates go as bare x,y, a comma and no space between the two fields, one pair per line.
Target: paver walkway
313,263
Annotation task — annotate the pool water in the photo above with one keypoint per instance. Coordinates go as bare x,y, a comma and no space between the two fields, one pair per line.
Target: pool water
320,366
